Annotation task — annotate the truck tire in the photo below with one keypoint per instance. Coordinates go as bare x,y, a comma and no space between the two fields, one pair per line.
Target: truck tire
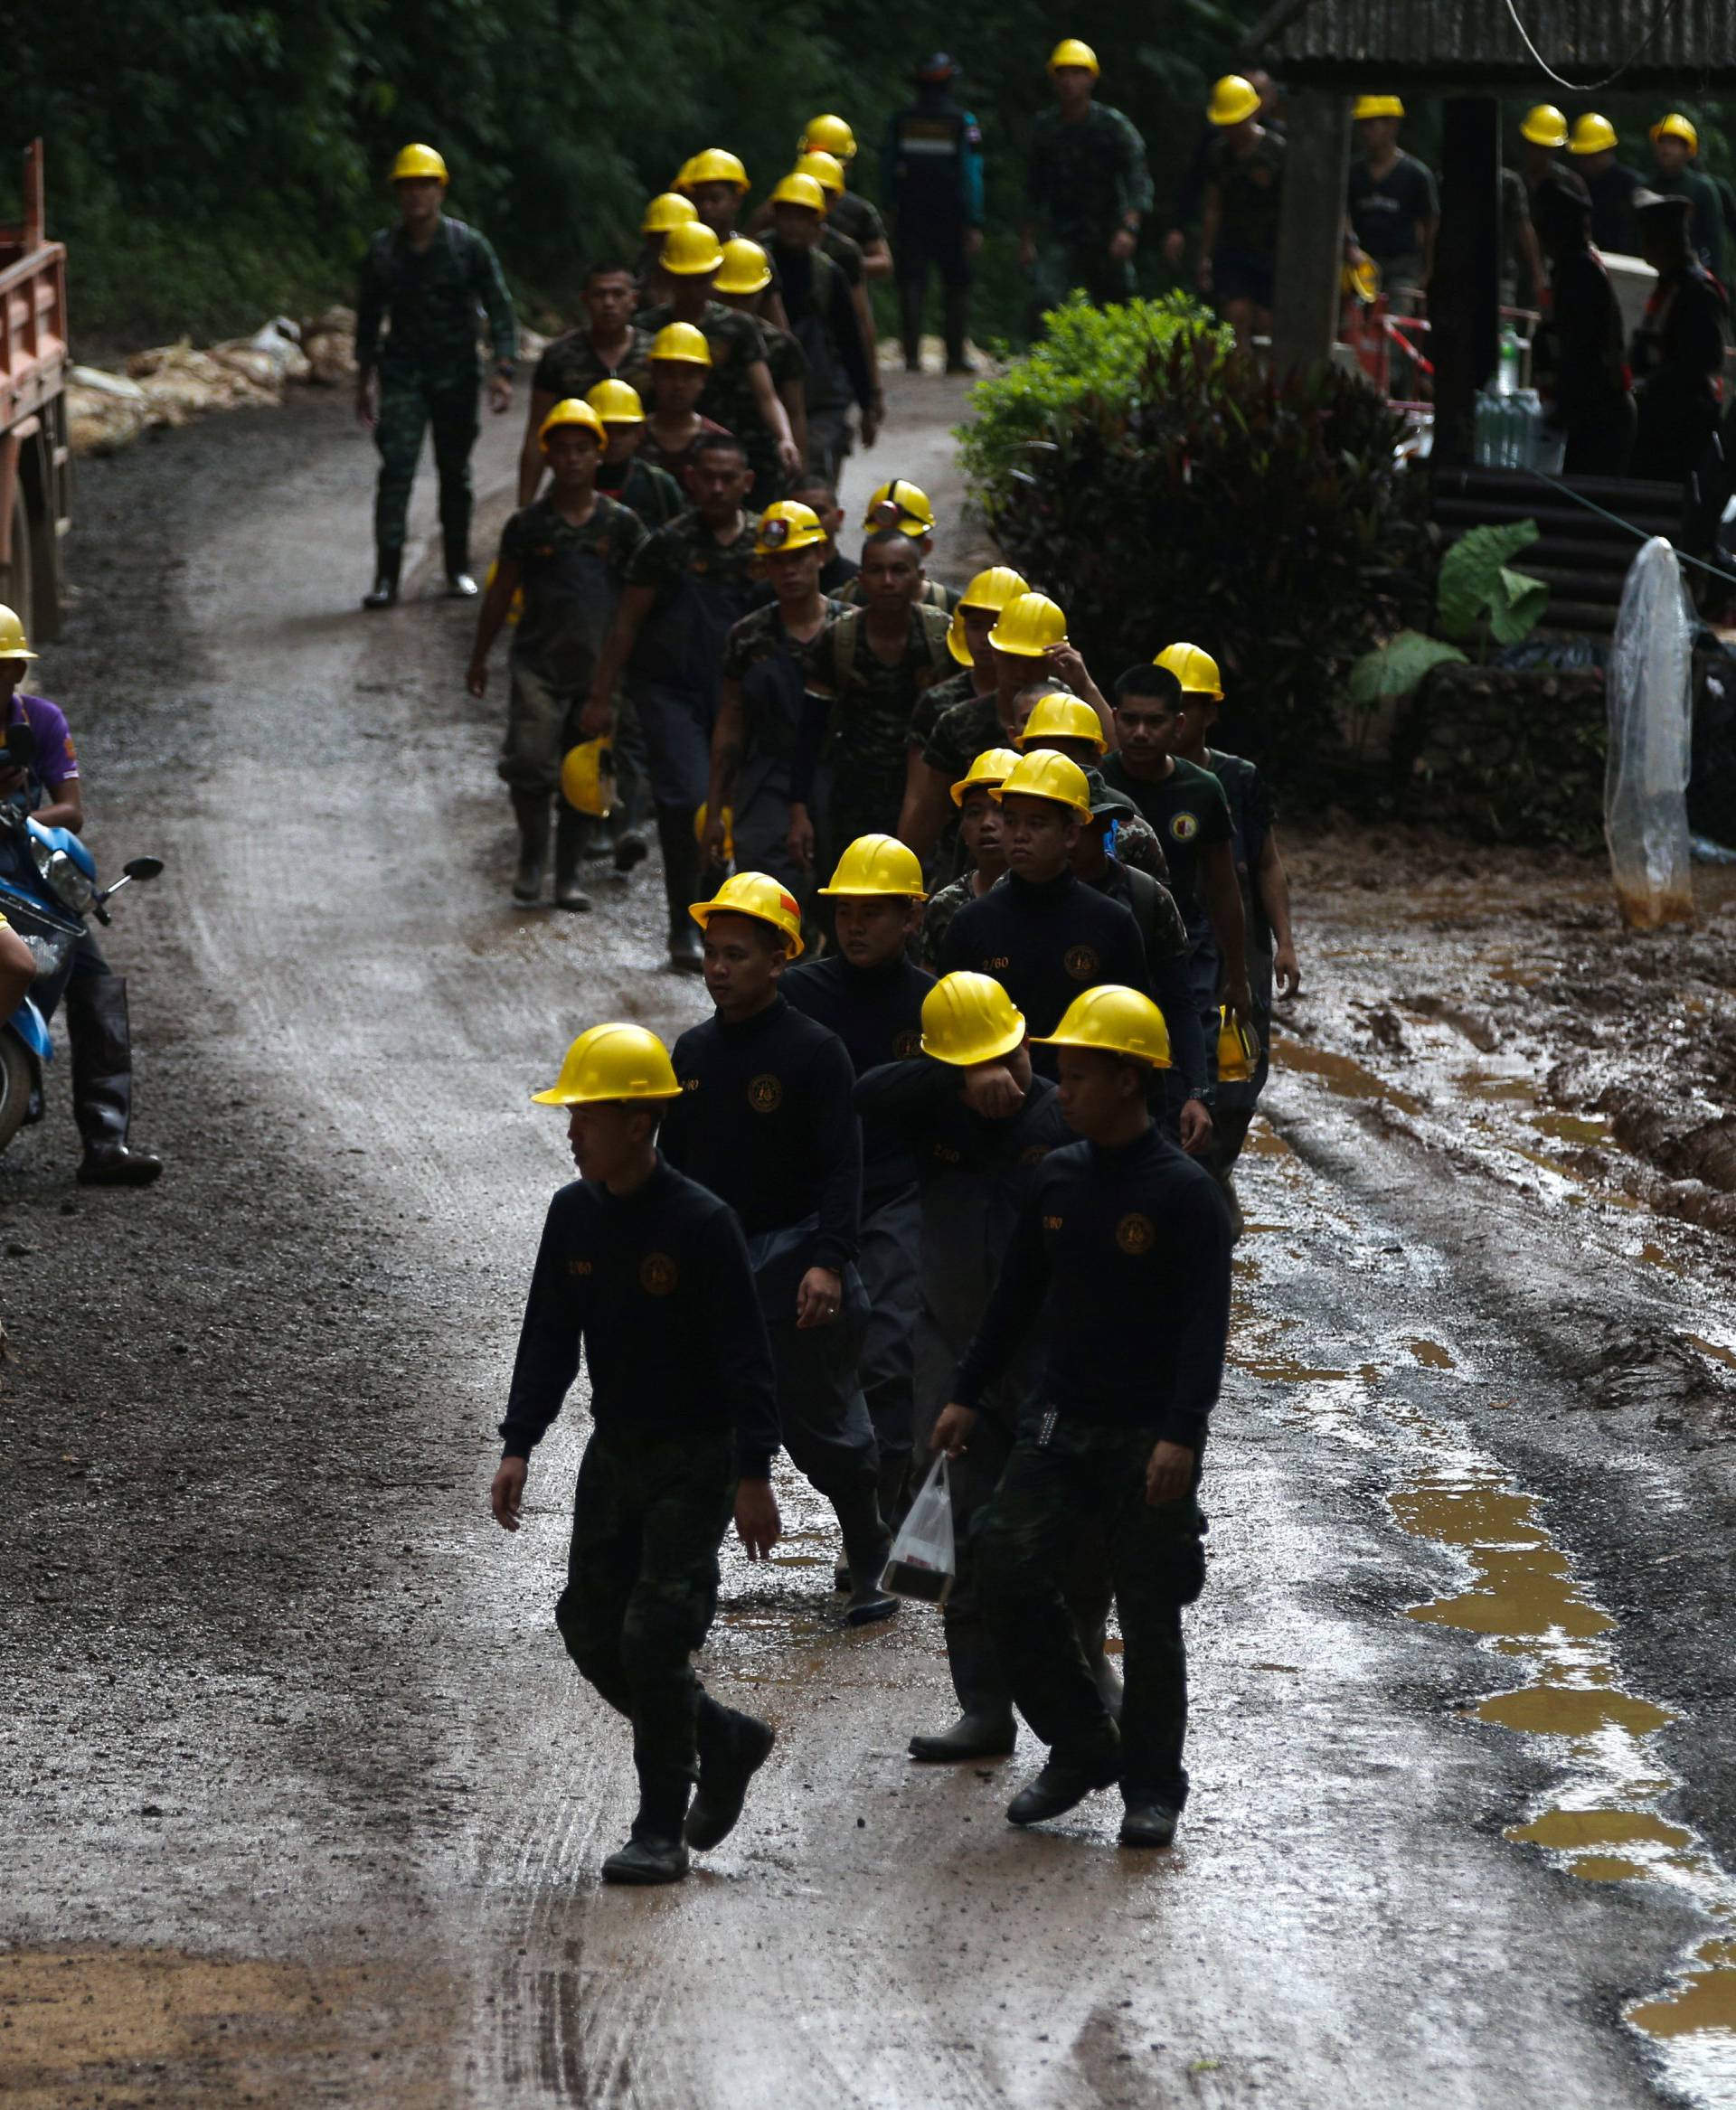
15,1082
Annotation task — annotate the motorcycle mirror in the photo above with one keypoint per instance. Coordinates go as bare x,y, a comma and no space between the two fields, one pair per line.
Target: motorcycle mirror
21,746
143,868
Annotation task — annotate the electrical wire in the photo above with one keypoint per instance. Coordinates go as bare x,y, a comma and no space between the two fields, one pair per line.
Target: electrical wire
1614,520
1665,9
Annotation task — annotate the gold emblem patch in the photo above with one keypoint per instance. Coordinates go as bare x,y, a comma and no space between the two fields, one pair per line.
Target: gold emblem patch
1081,962
1183,827
764,1095
1134,1235
657,1275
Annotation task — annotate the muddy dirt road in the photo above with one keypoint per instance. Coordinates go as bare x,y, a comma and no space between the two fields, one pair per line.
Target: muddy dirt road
302,1801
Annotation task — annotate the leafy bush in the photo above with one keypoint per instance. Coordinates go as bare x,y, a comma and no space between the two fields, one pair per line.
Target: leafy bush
1197,495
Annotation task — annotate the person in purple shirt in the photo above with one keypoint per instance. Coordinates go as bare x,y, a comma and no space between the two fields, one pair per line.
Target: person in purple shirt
50,788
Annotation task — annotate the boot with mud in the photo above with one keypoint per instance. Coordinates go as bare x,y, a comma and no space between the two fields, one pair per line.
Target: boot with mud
1149,1821
536,818
680,877
732,1747
986,1728
1064,1784
867,1543
102,1083
568,852
383,593
655,1851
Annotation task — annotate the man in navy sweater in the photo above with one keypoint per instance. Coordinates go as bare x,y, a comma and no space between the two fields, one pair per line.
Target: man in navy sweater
1129,1241
764,1120
650,1273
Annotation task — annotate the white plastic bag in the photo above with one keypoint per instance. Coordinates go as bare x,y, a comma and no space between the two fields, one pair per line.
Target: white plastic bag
1646,776
922,1563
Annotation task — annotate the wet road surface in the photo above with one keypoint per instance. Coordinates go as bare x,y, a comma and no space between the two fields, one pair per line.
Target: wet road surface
303,1803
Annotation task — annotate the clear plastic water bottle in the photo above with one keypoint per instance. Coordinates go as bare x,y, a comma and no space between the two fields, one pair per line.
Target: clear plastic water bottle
1507,373
1485,446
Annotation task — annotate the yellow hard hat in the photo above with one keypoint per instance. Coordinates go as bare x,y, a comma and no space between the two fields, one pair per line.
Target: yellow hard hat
1062,717
682,343
570,410
690,249
1544,126
716,164
1234,100
1361,281
991,769
1377,105
1196,670
1113,1020
745,267
784,525
1676,126
14,643
414,162
588,779
900,505
667,210
700,818
1592,134
828,134
608,1063
990,589
878,864
1070,52
826,169
683,175
969,1019
796,189
617,402
1237,1048
755,894
1046,775
1029,626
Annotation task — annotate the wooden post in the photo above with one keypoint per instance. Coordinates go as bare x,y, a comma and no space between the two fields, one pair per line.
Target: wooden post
1311,224
1464,294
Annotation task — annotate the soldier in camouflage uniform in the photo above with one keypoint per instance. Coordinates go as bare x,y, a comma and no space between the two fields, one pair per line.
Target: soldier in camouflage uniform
982,845
1086,191
428,279
607,346
742,283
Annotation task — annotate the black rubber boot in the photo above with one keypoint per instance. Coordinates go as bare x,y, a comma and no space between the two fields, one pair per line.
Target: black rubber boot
532,811
909,314
654,1852
568,852
455,547
732,1747
1063,1784
958,324
1148,1823
388,564
986,1728
680,884
102,1083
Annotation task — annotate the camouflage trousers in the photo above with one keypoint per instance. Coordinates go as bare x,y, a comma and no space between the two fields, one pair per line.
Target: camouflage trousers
1060,266
1086,1479
411,401
642,1578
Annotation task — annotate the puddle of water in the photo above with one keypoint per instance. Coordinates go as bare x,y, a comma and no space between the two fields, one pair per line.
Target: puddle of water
1482,1084
1573,1127
1713,1349
1431,1355
1340,1074
1568,1829
1654,1256
1265,1142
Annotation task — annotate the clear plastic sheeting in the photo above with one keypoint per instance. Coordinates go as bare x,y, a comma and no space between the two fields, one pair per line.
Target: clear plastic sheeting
1646,779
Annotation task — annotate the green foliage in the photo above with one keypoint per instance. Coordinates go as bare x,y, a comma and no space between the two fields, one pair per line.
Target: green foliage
1206,498
1397,667
1477,593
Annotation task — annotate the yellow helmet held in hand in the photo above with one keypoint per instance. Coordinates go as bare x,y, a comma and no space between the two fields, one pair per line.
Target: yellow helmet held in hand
667,210
14,643
570,410
611,1063
1544,126
745,267
1196,670
1676,126
588,779
417,164
682,343
988,592
690,249
1237,1048
1046,775
878,864
1234,100
1592,134
826,169
716,164
755,894
1029,627
1377,105
828,134
990,770
617,402
1112,1020
1061,718
796,189
700,818
900,505
1361,281
1070,52
967,1019
784,525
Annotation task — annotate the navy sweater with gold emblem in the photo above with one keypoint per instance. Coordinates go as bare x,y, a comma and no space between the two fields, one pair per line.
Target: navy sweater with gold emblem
1134,1243
656,1286
877,1013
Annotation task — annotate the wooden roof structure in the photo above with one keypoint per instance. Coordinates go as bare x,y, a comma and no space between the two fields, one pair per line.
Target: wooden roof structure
1684,48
